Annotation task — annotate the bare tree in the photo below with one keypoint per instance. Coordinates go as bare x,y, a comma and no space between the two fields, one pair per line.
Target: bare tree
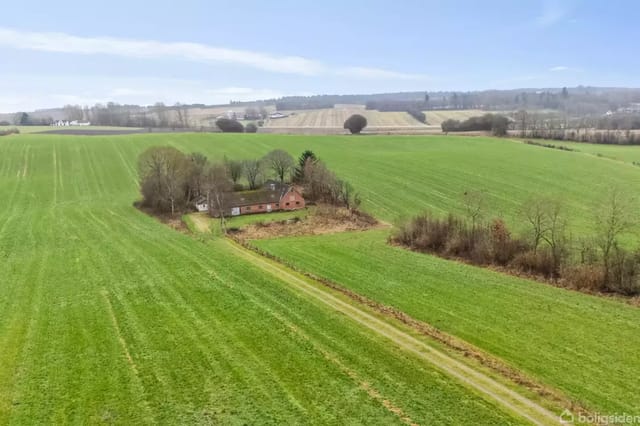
163,175
474,205
234,169
613,219
217,185
280,162
535,212
253,172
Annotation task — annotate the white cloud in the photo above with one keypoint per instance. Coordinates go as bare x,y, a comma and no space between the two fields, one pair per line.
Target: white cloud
194,52
559,68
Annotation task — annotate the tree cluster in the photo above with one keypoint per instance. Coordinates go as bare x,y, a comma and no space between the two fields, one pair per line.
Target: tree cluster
495,123
598,264
228,125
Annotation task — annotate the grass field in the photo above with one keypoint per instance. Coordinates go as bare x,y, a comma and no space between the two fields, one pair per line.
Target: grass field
116,318
335,118
108,316
436,117
625,153
585,345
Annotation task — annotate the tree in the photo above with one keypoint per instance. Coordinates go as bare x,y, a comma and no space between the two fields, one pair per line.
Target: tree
72,112
534,211
194,175
163,175
251,128
298,173
280,163
228,125
22,119
355,123
160,111
217,185
499,125
234,169
613,218
565,93
253,172
474,204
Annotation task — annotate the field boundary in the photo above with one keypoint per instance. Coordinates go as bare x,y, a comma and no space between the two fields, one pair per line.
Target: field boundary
482,383
551,396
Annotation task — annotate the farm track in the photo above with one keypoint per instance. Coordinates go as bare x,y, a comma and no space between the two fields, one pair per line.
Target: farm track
480,382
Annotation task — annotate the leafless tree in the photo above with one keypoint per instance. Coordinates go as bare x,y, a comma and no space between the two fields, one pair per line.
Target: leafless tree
253,172
536,212
280,162
217,185
163,175
613,219
474,205
234,169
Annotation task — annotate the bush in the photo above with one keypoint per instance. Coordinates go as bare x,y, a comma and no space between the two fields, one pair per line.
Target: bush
229,126
355,123
11,131
251,128
495,123
418,115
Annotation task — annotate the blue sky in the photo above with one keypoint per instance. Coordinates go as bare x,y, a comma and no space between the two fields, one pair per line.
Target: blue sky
212,52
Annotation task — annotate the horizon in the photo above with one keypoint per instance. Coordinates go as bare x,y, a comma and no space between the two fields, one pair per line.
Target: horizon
170,54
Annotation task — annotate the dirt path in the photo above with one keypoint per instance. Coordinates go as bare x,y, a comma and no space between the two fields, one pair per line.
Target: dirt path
494,391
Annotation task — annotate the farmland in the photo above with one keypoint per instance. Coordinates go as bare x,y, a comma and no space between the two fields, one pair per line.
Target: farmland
436,117
120,319
335,118
580,344
109,316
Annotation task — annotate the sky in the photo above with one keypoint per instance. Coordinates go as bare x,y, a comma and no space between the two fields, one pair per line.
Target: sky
192,51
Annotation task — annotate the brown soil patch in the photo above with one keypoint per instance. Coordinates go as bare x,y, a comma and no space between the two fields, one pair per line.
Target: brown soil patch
324,220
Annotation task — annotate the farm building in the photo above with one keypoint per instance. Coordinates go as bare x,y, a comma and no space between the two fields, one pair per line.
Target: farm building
273,196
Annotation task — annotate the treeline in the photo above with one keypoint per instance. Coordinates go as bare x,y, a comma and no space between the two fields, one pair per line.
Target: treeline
494,123
605,137
576,101
598,263
172,182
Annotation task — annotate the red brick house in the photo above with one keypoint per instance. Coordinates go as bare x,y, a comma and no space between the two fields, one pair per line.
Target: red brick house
272,197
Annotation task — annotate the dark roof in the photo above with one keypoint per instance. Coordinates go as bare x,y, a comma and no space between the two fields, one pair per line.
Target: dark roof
259,196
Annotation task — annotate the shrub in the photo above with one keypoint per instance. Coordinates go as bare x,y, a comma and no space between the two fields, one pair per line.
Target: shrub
251,128
418,115
229,126
355,123
11,131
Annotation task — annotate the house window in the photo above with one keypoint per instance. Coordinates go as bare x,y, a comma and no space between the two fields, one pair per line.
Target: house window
288,204
297,203
277,205
248,208
261,207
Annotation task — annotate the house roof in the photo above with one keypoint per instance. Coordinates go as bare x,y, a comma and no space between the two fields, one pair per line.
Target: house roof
259,196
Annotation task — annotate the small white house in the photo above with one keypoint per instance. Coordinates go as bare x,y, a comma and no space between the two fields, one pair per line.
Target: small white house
202,205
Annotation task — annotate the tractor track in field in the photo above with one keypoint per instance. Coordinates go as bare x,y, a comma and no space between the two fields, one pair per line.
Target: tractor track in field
491,389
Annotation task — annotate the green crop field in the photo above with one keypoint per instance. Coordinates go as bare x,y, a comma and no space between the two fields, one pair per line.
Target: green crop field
106,315
624,153
585,345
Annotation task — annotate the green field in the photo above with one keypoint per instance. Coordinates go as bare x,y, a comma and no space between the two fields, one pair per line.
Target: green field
624,153
106,315
585,345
